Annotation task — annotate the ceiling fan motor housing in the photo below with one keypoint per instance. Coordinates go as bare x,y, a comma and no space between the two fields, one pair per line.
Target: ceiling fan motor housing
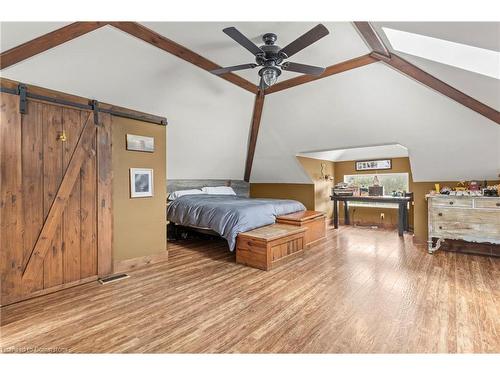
271,55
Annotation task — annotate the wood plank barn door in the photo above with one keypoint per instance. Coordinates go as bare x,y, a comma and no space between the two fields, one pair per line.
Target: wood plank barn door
53,176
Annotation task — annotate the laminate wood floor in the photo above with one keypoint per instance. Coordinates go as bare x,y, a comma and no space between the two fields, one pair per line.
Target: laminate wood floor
361,291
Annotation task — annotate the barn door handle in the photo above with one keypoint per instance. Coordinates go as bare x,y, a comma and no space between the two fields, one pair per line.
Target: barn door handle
62,137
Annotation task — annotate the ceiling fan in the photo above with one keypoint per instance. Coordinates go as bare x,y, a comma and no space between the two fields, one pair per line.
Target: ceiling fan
270,56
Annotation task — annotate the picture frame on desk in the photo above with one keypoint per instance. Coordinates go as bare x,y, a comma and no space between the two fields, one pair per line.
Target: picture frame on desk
373,165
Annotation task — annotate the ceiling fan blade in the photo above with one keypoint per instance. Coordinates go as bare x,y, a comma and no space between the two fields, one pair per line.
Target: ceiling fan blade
233,68
313,35
302,68
243,40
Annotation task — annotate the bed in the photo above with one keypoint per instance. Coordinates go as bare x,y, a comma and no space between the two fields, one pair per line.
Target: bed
228,215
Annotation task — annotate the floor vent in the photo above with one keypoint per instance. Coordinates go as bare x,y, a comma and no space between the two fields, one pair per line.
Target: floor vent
113,278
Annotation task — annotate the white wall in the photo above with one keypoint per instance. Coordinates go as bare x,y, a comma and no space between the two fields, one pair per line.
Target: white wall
375,105
209,118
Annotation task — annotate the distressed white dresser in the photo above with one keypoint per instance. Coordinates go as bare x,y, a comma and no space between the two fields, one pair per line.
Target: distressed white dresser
474,219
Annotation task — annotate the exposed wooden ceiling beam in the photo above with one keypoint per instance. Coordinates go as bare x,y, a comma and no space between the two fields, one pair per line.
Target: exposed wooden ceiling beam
434,83
254,132
331,70
46,42
381,53
158,40
371,38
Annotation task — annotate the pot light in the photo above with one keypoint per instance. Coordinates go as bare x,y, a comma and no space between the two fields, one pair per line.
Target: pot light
463,56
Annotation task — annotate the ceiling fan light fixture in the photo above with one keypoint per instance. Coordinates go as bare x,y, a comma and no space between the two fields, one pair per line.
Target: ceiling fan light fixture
270,75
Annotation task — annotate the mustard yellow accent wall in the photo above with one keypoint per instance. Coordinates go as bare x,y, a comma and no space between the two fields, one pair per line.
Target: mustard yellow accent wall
315,196
301,192
139,224
322,187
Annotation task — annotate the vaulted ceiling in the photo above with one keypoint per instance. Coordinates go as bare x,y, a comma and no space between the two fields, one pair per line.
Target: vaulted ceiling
209,117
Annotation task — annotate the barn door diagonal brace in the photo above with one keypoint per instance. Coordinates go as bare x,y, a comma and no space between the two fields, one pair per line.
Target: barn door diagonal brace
23,105
32,266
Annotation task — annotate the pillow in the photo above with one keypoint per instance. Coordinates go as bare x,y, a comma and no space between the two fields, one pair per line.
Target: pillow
219,190
179,193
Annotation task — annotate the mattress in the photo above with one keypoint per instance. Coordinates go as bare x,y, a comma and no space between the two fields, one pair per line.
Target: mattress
228,215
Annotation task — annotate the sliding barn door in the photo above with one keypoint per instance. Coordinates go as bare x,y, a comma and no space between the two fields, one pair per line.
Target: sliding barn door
50,187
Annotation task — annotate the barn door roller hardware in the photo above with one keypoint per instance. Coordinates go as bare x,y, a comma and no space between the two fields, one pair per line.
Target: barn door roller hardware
94,104
23,105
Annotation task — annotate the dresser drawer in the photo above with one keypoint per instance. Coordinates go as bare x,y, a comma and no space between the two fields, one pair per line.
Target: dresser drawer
452,202
480,232
447,214
493,203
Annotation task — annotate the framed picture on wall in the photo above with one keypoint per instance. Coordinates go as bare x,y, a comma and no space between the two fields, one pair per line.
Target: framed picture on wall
140,143
370,165
141,182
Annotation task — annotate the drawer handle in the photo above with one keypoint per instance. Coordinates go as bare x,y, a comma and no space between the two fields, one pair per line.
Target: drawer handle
440,214
440,227
451,202
497,204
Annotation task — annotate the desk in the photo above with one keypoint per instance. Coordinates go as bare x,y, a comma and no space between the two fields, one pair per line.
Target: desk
401,201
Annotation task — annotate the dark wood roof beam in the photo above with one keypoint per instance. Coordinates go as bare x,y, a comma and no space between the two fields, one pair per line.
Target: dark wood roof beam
46,42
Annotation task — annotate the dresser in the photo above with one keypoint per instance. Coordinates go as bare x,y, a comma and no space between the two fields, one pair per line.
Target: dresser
473,219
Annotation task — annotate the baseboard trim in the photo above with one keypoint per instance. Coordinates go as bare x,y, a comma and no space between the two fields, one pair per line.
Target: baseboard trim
51,290
139,262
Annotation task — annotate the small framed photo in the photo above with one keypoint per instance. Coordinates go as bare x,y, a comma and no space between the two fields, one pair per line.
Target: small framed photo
370,165
141,182
140,143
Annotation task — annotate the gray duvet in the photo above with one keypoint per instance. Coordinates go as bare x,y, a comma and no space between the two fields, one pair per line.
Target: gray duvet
228,215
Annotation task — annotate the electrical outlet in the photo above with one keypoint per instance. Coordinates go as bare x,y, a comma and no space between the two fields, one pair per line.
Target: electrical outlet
382,216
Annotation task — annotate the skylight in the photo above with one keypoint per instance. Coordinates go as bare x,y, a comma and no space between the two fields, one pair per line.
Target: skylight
463,56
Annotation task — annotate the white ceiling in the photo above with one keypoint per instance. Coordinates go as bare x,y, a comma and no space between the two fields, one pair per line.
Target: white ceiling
359,153
13,34
477,34
209,117
208,40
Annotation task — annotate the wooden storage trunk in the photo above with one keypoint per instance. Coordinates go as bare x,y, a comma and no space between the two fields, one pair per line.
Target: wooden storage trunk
267,247
313,221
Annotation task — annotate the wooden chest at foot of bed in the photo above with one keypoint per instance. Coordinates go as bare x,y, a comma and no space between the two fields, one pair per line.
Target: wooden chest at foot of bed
268,247
313,221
